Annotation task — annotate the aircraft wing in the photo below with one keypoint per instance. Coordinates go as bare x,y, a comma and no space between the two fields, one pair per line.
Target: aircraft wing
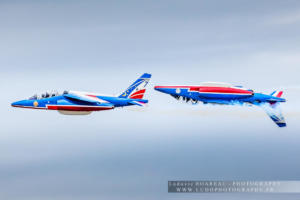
80,98
274,112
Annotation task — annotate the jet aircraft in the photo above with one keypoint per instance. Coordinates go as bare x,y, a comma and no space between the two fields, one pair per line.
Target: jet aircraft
83,103
227,94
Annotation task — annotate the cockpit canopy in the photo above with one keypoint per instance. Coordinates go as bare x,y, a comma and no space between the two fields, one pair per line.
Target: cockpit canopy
47,95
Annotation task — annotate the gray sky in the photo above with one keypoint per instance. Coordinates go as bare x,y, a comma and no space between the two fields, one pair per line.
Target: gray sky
103,46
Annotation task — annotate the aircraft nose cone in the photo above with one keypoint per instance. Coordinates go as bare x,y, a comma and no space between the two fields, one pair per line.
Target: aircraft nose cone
159,88
162,89
19,103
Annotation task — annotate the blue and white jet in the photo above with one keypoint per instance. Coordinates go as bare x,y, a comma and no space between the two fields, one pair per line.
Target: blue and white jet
227,94
83,103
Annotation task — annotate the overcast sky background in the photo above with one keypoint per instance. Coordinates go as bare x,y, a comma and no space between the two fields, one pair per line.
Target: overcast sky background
103,46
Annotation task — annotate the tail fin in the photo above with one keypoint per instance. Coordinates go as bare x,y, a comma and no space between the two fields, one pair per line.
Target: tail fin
274,112
137,89
277,94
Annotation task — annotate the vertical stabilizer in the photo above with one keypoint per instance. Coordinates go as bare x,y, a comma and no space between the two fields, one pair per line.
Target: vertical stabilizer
137,89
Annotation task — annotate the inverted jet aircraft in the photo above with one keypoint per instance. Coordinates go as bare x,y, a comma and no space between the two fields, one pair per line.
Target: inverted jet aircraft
227,94
83,103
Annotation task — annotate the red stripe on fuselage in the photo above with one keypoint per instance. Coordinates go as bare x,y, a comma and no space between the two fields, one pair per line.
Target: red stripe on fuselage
77,108
224,90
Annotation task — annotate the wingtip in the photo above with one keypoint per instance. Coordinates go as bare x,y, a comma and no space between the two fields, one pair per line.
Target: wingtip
281,125
146,75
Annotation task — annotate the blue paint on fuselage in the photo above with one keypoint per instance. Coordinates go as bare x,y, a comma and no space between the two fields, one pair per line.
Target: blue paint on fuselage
62,100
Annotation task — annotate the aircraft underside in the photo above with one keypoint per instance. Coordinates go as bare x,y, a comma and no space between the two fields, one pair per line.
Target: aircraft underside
65,112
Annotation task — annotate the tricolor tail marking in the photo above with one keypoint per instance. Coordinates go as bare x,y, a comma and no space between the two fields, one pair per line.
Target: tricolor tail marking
277,94
138,94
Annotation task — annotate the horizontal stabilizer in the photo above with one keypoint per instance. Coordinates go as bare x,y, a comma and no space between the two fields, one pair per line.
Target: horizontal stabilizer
138,103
